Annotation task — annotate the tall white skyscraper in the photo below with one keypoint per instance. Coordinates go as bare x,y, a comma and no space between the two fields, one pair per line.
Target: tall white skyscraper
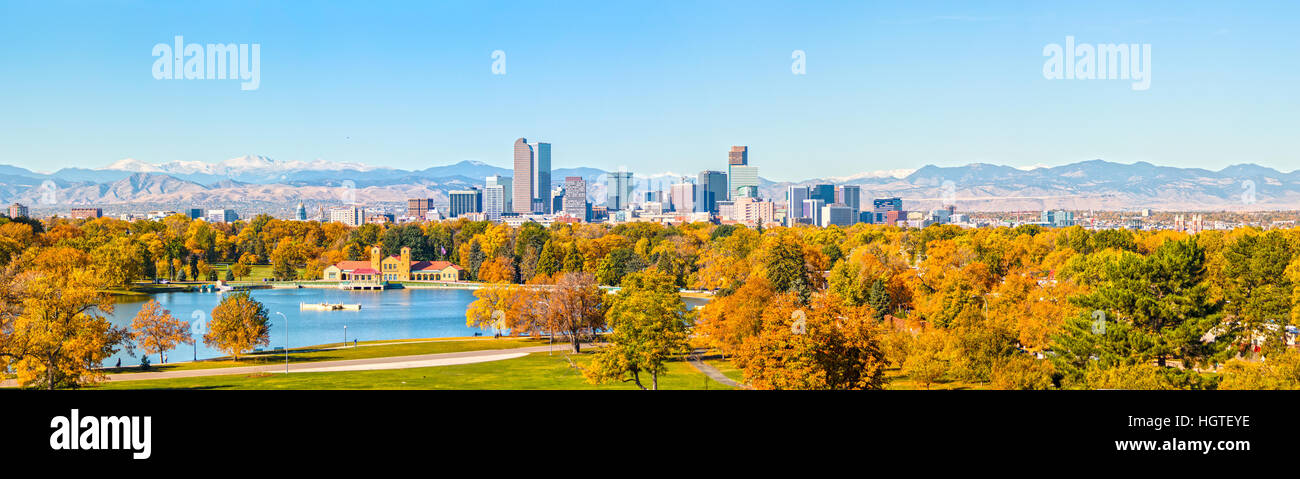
497,196
794,197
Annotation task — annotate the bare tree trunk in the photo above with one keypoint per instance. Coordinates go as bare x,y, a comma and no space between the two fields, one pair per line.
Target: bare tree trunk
654,380
576,341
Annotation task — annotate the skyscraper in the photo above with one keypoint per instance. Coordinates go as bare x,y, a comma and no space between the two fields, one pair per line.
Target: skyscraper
575,197
465,201
618,194
712,189
417,207
851,196
682,196
823,192
740,175
739,155
882,206
497,196
812,208
794,197
542,176
522,194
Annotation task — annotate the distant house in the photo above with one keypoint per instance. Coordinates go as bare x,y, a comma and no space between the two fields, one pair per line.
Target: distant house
392,268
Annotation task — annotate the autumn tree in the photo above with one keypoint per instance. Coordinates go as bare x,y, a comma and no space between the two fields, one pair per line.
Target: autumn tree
238,323
648,325
823,345
575,305
156,331
57,334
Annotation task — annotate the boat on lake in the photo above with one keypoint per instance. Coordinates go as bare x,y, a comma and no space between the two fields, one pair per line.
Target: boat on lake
329,307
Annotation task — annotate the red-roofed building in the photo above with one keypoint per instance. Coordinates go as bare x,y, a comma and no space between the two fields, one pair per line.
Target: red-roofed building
392,268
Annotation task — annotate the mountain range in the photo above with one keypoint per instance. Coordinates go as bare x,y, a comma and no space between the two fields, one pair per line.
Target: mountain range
1094,184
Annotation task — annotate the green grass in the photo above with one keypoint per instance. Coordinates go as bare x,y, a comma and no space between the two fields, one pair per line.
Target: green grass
727,369
895,379
256,273
362,351
535,371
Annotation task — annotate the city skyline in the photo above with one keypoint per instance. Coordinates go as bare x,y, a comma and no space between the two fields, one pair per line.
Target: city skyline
885,86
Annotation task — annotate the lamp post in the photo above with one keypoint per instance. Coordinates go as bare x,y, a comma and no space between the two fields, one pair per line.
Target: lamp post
345,335
286,341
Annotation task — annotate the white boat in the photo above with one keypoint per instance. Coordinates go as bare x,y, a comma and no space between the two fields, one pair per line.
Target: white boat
329,307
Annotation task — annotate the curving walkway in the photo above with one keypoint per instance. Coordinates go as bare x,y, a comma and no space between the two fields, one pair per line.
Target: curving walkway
712,372
367,364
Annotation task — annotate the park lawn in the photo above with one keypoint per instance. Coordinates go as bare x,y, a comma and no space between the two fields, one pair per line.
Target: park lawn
535,371
375,349
728,369
895,379
256,273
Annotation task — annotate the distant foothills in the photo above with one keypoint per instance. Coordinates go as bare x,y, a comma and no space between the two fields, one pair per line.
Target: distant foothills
269,185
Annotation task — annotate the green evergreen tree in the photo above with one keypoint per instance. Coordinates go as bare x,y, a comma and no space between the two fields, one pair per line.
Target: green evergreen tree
549,262
1142,309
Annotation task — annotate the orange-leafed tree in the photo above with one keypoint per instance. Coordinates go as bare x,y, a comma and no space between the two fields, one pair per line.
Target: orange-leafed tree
576,305
57,334
156,331
823,345
238,324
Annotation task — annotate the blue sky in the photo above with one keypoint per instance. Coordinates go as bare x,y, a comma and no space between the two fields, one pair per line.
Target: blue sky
652,86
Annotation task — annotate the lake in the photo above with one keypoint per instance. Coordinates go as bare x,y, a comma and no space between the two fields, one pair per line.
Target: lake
390,314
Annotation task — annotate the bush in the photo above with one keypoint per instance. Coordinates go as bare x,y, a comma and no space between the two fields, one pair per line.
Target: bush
1022,372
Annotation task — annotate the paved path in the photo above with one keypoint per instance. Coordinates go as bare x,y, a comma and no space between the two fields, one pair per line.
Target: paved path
392,362
713,373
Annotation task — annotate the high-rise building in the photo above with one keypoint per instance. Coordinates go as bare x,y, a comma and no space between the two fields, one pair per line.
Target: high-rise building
794,197
351,215
812,208
522,193
195,213
851,196
17,210
465,201
682,196
882,206
752,211
712,189
86,213
823,192
739,155
575,197
618,194
542,176
300,213
740,175
497,196
221,216
418,207
838,214
1059,218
